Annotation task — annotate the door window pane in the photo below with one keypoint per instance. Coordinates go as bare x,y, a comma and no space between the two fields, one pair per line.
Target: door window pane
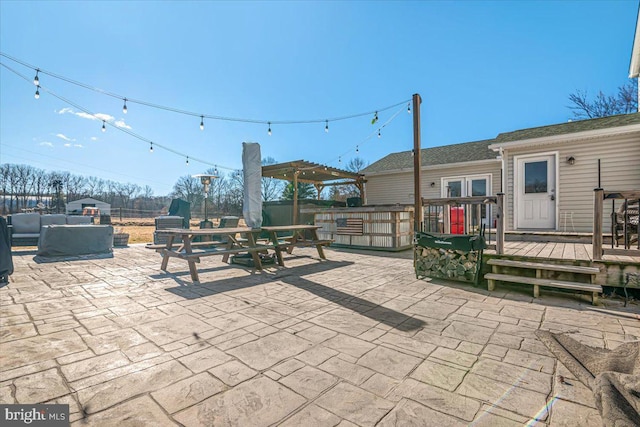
535,177
479,187
454,189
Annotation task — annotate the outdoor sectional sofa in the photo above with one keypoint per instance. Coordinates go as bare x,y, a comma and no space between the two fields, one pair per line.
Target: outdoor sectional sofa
59,234
24,228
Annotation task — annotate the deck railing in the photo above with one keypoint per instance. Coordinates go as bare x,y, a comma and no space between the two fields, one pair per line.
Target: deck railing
623,222
467,215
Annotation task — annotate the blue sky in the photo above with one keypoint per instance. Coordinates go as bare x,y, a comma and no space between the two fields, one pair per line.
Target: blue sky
482,68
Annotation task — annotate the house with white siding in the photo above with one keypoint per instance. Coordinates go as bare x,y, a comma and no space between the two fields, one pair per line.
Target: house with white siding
547,173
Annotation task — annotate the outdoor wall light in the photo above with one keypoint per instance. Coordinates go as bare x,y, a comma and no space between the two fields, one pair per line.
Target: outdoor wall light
433,184
571,160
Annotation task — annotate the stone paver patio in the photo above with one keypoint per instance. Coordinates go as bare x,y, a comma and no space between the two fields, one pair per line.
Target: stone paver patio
353,341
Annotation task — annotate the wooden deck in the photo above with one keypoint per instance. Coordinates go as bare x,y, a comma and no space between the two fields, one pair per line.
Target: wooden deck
558,250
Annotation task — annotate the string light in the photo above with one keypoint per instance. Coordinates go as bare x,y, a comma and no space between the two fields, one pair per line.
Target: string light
124,107
340,159
413,152
37,95
89,112
36,80
187,160
326,126
375,119
357,149
215,171
192,113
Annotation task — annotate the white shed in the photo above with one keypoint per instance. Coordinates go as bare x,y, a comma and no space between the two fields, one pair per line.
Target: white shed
77,205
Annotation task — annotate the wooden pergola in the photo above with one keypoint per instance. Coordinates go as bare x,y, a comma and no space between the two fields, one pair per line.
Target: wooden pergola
320,176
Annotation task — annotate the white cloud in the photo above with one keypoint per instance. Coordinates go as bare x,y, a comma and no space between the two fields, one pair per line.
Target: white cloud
46,144
78,145
122,124
94,138
63,136
67,144
103,116
82,114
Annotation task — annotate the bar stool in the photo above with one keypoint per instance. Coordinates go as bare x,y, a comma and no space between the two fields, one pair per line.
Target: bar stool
564,217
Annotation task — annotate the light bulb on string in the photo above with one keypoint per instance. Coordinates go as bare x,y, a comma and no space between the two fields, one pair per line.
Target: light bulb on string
340,159
215,171
379,134
104,128
413,152
201,122
187,161
124,107
357,149
151,148
269,130
408,107
36,80
37,95
326,126
375,118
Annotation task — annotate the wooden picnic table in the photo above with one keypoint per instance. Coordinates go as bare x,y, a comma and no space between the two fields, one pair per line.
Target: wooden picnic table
297,238
191,251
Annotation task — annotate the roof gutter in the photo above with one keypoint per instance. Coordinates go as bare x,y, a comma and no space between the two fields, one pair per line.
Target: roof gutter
431,167
576,136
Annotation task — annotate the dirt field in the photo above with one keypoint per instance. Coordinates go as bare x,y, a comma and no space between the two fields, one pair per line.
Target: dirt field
141,230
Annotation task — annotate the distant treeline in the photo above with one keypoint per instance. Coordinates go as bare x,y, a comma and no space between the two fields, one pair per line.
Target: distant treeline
24,186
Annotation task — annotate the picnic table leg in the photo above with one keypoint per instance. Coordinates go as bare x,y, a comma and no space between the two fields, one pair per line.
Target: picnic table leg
165,254
192,262
314,236
225,257
273,236
294,239
254,253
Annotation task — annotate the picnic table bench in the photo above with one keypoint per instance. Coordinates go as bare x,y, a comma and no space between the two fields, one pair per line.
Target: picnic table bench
296,237
192,251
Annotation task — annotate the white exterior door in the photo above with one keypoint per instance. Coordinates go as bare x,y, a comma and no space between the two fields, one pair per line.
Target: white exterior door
536,192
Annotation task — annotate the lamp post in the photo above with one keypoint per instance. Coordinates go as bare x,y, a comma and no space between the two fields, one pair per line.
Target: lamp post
206,181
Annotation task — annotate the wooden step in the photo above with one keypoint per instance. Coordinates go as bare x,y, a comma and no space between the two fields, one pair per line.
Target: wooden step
541,266
537,282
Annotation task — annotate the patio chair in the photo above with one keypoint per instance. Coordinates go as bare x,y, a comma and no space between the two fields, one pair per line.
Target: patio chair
625,218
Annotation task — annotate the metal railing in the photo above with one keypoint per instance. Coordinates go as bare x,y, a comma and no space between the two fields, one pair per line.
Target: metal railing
624,222
467,215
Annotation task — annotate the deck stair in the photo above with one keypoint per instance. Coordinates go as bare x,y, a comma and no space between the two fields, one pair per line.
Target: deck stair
541,279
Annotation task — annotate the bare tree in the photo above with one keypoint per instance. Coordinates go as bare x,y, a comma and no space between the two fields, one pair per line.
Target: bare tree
271,187
189,189
624,102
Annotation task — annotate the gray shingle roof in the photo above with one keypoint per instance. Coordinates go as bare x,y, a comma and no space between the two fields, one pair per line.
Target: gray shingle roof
570,127
456,153
478,150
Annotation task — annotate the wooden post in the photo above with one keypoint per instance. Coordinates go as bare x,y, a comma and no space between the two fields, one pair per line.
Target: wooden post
417,215
598,208
295,197
500,225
